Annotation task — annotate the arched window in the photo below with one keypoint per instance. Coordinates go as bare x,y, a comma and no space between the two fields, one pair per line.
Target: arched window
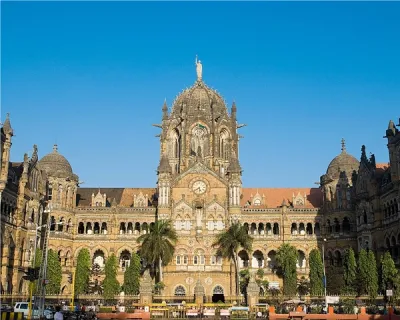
180,291
223,144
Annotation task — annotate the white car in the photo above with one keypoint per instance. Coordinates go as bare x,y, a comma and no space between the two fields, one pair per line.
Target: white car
24,308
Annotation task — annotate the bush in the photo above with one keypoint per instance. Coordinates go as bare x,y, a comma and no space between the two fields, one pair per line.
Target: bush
105,309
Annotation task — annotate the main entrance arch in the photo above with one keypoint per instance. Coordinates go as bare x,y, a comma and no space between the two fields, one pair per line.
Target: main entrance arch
218,294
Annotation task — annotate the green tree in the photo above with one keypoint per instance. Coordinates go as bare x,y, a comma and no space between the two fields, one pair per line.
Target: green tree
349,271
368,274
286,258
316,273
244,275
38,262
82,272
389,273
158,246
111,286
132,276
230,241
53,273
303,286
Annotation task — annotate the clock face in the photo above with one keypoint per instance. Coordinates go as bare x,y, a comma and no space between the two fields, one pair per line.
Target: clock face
199,187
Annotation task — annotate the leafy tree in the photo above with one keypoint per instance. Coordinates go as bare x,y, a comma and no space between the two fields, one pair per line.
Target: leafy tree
53,273
230,241
389,273
111,286
82,272
244,275
132,276
373,286
303,286
349,271
286,258
368,274
158,246
316,273
38,263
159,287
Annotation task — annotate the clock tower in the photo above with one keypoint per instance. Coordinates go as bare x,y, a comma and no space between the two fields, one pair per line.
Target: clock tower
199,180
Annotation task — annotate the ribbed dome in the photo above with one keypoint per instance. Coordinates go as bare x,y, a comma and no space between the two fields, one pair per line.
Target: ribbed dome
197,98
56,164
343,162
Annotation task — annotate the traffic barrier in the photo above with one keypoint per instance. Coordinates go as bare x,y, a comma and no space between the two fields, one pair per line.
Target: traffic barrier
12,316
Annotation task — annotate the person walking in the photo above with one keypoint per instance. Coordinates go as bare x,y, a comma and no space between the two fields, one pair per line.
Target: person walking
58,315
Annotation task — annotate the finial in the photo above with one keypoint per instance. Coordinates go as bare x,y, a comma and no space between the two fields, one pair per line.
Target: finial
8,115
55,148
343,146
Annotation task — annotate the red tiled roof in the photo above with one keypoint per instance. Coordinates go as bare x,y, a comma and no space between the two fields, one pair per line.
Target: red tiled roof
273,197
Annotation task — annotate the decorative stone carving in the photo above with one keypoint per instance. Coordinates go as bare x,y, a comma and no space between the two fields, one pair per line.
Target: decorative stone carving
208,281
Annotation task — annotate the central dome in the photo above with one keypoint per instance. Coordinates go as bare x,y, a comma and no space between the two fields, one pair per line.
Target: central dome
56,164
343,162
199,97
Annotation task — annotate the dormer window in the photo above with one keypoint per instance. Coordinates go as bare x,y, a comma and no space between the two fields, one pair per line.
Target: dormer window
257,202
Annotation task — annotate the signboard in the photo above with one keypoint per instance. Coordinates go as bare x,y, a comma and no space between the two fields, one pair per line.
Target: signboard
224,312
389,293
332,300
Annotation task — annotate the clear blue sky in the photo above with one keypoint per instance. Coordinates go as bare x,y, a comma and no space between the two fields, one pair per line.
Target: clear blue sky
92,77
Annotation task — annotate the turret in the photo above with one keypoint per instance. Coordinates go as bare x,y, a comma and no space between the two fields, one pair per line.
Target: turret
393,137
6,135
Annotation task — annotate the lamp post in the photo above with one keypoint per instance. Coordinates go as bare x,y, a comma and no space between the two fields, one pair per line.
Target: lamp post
37,227
323,262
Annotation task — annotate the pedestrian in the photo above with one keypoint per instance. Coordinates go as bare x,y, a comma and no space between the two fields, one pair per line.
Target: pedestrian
58,315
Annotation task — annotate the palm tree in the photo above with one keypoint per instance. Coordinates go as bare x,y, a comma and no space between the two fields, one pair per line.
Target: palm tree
158,246
230,241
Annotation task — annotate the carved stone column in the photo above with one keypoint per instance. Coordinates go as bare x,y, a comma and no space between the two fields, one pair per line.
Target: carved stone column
146,288
199,293
253,291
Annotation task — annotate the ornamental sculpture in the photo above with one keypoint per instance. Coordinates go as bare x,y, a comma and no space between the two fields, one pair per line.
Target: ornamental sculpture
199,69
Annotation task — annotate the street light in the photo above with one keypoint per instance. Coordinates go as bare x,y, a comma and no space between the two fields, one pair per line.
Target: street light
323,262
37,228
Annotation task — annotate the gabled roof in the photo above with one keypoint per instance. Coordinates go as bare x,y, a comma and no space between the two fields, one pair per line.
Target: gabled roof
273,197
123,196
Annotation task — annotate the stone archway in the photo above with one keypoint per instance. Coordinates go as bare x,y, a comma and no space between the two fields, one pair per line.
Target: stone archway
218,294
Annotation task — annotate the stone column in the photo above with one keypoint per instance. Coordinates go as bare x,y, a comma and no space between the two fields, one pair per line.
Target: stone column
253,291
199,293
146,289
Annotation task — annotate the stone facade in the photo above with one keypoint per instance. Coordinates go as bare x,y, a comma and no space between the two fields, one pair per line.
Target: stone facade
199,187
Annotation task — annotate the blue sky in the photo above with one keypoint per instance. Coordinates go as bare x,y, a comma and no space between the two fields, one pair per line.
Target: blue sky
92,77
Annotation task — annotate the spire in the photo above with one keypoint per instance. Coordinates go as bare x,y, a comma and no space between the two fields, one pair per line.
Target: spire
164,166
165,110
363,154
234,106
343,145
55,148
7,125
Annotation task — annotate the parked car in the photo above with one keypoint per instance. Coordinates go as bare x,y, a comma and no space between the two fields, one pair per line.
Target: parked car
24,308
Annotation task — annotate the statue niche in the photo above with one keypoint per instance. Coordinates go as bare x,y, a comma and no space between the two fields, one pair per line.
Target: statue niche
199,142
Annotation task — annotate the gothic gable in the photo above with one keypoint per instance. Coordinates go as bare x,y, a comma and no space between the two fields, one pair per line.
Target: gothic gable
198,168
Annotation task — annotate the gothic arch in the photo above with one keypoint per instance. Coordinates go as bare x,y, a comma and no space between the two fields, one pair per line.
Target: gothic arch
218,289
101,248
128,248
179,290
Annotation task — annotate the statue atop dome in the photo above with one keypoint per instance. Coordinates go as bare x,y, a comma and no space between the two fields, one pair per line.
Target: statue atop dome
199,69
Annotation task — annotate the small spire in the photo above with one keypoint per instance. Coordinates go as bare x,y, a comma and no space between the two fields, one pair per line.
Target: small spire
7,126
343,145
55,148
